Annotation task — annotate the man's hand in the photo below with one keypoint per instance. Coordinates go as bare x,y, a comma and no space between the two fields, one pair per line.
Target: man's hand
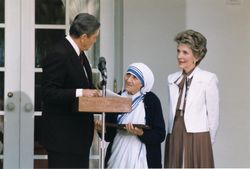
91,93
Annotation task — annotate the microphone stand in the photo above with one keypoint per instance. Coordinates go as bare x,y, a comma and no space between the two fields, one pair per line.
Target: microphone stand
104,87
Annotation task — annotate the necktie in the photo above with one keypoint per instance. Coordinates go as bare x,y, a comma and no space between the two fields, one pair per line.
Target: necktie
82,61
81,58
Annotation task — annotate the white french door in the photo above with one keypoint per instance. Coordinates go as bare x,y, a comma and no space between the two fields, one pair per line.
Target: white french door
27,29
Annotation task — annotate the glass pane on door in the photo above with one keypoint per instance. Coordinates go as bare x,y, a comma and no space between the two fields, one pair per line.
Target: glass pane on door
1,90
1,47
50,12
45,38
1,11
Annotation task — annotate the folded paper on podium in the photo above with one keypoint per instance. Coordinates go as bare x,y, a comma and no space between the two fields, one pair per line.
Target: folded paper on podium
104,104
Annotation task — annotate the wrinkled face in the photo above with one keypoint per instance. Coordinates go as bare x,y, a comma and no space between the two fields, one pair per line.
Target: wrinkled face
87,42
132,84
185,57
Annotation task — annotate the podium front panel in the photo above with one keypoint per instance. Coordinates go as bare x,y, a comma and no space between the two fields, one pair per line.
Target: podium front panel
104,104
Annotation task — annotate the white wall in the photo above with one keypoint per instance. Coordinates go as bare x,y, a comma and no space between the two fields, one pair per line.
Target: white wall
149,29
107,38
227,29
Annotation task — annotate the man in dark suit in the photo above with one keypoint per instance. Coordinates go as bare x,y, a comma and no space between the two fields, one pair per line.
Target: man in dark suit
67,134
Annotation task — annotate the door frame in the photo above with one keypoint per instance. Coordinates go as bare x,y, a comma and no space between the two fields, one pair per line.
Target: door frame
12,84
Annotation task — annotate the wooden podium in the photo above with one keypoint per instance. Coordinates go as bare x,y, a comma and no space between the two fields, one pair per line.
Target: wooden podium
104,104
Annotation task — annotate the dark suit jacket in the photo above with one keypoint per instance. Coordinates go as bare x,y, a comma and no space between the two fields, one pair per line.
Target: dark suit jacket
152,138
63,128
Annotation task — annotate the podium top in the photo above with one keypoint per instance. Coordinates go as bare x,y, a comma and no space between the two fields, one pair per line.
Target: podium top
104,104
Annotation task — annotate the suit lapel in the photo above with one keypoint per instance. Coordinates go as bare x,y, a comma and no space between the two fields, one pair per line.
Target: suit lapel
174,91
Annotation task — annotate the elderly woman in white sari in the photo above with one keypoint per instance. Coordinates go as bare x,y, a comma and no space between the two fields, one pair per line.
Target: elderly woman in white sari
135,146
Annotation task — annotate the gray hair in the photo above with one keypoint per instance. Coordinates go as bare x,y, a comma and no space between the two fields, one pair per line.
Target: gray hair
84,23
195,40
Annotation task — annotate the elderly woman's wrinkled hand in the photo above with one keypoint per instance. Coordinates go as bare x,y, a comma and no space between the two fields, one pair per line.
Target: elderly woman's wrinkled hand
134,130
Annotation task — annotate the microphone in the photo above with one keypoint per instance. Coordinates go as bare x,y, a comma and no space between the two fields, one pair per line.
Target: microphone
102,67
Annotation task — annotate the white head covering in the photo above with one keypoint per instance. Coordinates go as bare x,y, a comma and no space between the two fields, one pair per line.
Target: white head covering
144,74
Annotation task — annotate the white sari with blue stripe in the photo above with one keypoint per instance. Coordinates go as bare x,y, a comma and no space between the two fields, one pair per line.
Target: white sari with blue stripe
127,150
